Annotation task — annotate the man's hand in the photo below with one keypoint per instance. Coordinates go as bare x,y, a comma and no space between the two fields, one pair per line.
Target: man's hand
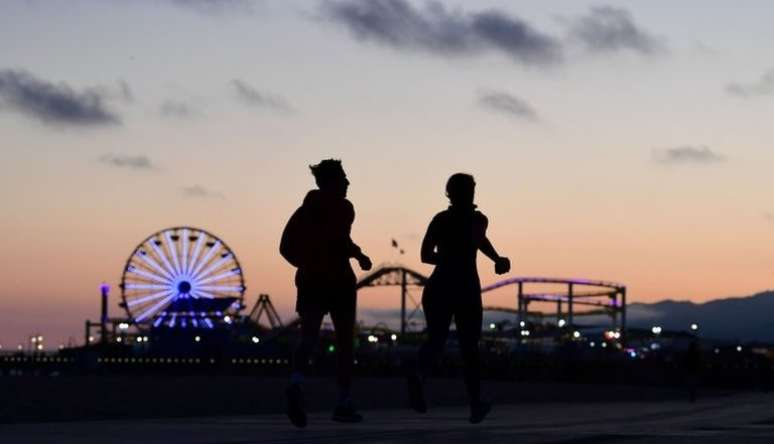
364,262
502,265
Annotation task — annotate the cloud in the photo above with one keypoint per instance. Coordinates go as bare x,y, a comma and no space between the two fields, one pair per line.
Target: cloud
609,29
510,105
176,109
764,86
198,191
216,7
129,162
54,104
253,97
688,155
438,31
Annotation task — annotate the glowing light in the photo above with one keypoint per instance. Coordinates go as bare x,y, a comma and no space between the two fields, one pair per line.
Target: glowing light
561,323
256,339
656,330
123,326
118,339
592,344
739,348
197,339
331,348
522,324
91,338
492,326
394,337
576,334
604,345
227,319
694,327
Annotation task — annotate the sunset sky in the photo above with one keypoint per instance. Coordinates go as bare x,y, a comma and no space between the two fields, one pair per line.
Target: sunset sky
626,141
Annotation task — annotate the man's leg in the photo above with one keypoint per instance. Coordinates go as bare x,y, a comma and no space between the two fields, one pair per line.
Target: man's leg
344,324
343,317
310,330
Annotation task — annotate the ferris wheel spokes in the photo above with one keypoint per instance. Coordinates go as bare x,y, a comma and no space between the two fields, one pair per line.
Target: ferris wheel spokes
155,308
205,259
172,250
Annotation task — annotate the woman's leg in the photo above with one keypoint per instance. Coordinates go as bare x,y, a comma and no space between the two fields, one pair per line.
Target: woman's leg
468,318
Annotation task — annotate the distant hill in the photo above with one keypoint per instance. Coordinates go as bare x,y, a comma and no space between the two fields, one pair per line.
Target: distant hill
748,318
744,319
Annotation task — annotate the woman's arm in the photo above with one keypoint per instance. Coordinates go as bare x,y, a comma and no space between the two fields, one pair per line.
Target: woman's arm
488,249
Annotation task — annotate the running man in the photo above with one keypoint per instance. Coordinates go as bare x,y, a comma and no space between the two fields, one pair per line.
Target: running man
453,290
316,241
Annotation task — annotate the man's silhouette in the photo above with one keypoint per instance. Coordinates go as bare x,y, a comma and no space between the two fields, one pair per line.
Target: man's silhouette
451,244
316,241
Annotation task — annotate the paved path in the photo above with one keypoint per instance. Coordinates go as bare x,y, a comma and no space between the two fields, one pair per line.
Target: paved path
742,418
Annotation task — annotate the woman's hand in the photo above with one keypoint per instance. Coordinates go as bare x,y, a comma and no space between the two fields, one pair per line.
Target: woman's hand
502,265
364,262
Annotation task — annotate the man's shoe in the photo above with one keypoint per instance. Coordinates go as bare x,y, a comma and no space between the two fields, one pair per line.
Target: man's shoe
296,412
346,413
478,411
416,394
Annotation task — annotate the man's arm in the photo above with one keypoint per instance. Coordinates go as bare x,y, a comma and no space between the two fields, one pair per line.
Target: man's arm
354,250
291,243
428,253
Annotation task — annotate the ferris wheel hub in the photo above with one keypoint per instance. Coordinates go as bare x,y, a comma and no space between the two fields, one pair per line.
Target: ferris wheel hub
184,287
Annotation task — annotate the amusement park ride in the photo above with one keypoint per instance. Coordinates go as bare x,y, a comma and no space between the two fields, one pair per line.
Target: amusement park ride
182,280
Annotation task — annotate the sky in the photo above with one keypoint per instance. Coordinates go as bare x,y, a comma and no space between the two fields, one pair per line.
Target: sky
624,141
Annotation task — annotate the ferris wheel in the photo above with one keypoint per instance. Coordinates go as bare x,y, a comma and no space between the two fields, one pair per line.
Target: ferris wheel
182,277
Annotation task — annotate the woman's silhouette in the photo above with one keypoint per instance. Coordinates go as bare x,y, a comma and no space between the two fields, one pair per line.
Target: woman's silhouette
451,243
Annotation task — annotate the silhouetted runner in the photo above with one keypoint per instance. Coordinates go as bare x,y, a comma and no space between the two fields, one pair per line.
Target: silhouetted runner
451,244
316,240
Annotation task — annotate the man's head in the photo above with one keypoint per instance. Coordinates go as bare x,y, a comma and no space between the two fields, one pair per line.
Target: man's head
330,177
460,189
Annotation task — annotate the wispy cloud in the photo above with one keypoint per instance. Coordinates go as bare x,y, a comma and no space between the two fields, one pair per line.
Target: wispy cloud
442,32
53,103
177,109
215,7
139,162
198,191
687,155
608,29
761,87
507,104
251,96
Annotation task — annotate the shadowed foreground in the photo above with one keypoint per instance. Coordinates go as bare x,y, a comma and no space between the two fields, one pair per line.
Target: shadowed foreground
741,418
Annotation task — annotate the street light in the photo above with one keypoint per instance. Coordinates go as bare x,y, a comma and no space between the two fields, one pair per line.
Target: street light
694,327
656,330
